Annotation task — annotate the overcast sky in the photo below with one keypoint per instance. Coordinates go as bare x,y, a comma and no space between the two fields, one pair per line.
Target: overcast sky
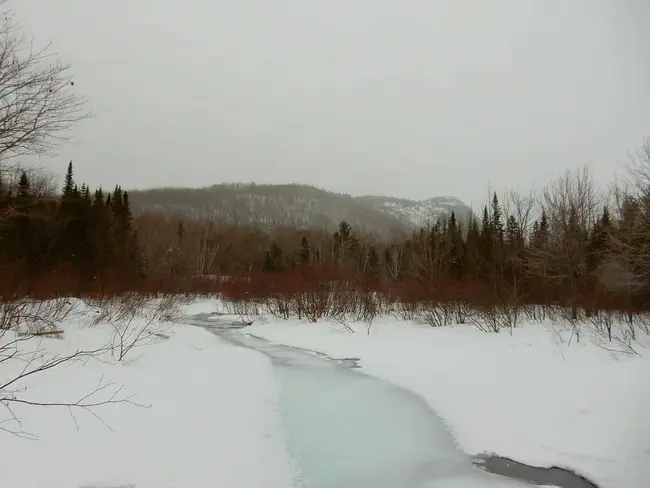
409,98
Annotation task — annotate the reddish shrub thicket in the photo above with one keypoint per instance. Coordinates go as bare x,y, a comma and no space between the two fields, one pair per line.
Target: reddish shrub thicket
312,288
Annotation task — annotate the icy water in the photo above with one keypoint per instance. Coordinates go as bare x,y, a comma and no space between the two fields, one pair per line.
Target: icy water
346,429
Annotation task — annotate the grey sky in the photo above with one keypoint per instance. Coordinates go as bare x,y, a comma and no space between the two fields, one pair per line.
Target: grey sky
408,98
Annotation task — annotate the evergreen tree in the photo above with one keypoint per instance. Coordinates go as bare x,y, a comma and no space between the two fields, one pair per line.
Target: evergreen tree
346,243
305,251
273,258
24,190
540,234
99,197
513,235
486,229
180,232
496,222
68,186
85,194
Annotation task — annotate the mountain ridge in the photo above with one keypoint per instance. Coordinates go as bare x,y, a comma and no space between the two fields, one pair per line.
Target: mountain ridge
297,205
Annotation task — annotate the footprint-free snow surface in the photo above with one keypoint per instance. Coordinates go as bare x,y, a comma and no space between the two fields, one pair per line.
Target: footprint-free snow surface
345,429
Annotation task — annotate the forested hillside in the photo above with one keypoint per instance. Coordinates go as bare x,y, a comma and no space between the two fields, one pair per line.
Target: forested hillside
294,205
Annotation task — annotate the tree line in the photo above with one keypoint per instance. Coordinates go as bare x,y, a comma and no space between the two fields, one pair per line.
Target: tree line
79,236
567,246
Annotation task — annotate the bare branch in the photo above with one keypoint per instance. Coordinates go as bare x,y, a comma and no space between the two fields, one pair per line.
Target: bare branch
38,105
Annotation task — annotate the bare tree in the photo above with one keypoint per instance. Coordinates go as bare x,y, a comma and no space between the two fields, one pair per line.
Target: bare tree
638,169
522,208
571,204
207,248
627,265
38,105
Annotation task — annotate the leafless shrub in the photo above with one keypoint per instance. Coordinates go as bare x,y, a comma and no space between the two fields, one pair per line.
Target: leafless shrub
281,305
537,313
614,332
244,308
369,308
137,319
41,317
433,313
344,322
35,317
313,305
169,308
461,310
405,310
642,321
26,350
571,320
487,319
10,313
603,323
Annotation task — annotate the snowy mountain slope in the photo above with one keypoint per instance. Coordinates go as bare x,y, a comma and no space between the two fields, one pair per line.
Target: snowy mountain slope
419,213
296,205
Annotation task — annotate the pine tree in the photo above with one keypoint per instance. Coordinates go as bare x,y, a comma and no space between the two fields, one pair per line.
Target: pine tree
305,251
496,221
127,217
455,243
24,190
99,197
485,225
85,194
472,251
345,242
487,238
116,203
513,232
180,232
540,233
68,186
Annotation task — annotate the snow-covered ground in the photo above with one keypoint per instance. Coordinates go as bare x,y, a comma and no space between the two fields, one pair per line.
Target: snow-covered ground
213,419
533,396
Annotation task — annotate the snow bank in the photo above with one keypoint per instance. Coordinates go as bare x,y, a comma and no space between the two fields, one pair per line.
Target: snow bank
531,396
213,419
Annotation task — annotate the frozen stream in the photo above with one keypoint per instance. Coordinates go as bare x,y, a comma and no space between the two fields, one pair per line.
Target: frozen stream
349,430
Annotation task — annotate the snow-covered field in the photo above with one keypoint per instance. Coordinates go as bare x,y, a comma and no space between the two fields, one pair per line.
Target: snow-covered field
213,418
534,396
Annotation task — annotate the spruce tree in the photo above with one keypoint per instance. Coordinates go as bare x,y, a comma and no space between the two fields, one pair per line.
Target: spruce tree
513,234
305,251
496,221
24,191
99,198
180,232
68,186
